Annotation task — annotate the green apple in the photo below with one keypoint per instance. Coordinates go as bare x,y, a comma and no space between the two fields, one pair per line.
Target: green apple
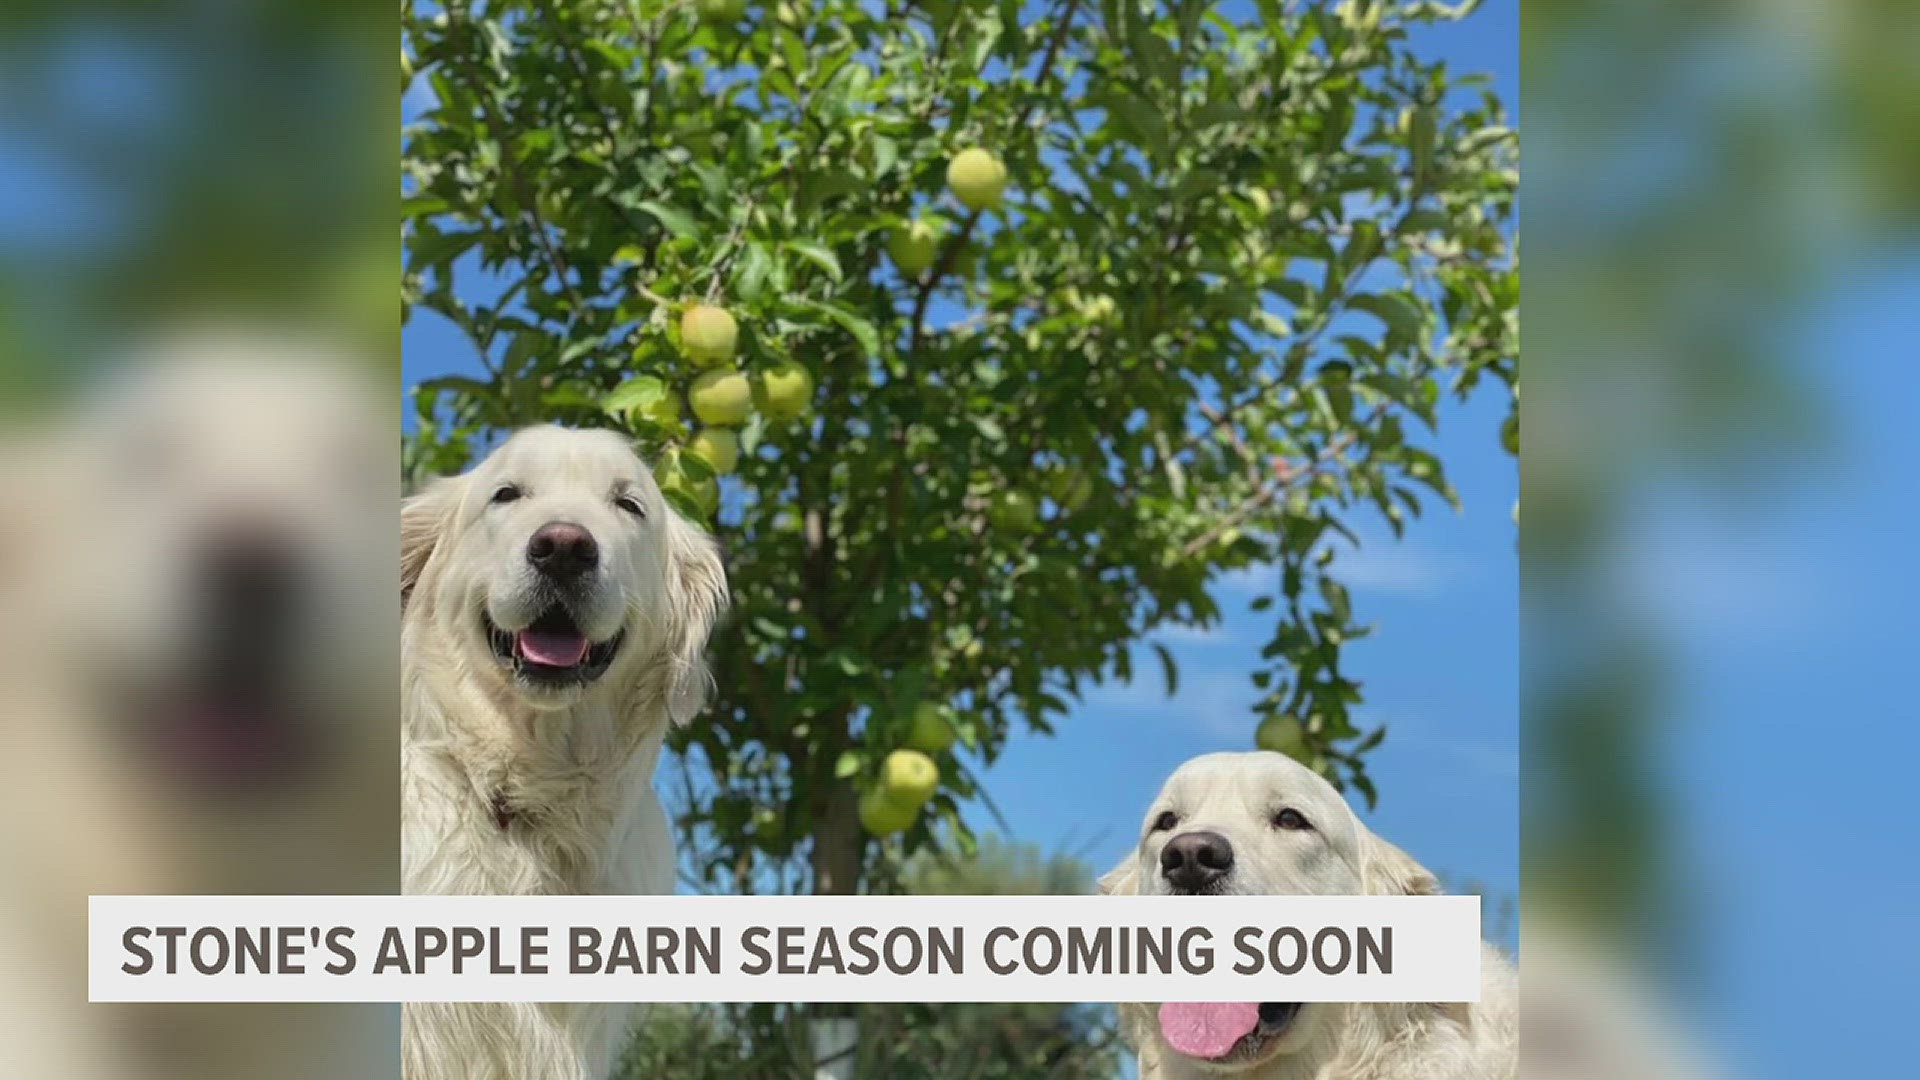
1013,511
909,777
932,732
721,396
708,334
883,816
786,390
1282,735
914,246
718,447
1070,488
978,179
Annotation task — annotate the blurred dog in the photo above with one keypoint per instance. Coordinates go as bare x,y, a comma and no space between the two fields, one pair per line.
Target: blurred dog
555,615
1259,824
199,651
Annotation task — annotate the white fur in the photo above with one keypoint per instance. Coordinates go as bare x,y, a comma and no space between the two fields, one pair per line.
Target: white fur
114,509
574,766
1238,796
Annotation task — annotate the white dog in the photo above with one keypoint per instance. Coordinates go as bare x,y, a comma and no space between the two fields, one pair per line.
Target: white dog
200,664
1259,824
555,611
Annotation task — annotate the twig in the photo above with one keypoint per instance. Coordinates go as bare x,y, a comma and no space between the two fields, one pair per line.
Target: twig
1266,495
1233,434
1046,61
732,250
927,284
650,296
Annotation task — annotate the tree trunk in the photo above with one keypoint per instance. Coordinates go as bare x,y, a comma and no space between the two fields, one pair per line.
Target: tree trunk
838,847
837,842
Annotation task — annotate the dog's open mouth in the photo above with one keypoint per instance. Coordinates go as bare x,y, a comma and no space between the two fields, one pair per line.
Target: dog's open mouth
222,741
1225,1032
552,650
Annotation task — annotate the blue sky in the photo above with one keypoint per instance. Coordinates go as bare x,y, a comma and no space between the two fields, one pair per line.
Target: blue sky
1441,671
1792,728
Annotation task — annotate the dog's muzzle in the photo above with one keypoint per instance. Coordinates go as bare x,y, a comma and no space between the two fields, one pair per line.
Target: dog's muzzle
552,652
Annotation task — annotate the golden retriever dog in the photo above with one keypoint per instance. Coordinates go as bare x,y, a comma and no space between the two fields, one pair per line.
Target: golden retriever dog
200,658
555,615
1261,824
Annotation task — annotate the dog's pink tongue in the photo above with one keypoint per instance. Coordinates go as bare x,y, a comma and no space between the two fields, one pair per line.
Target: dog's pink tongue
554,648
1207,1030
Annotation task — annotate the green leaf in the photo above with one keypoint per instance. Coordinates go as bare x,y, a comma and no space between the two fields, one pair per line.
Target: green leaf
1401,314
1212,113
1140,121
1168,668
756,262
635,394
676,221
1423,220
862,330
461,383
1366,788
817,254
437,248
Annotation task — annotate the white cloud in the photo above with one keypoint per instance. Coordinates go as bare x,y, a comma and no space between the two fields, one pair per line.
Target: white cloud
1500,762
1250,580
1709,576
1216,703
1479,761
1390,566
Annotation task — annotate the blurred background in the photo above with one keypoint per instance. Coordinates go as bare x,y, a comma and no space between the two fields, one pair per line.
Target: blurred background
199,470
1723,264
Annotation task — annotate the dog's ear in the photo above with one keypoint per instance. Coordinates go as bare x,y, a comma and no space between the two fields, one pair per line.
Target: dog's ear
424,519
1392,872
1122,880
696,598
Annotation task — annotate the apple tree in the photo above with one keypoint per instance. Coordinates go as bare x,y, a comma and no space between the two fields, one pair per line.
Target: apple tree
985,335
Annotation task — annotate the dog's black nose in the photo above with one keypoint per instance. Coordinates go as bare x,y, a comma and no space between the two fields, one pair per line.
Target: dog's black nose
1194,860
563,550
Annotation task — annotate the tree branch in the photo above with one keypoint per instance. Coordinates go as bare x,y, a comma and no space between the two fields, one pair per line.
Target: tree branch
1266,495
1054,44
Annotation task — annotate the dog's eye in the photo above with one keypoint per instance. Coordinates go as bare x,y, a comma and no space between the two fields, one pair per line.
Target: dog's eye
506,493
1167,820
631,504
1291,820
